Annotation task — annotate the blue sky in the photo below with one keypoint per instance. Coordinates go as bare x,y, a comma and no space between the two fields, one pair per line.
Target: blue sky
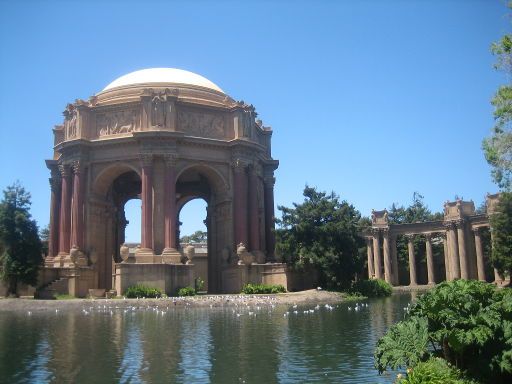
372,99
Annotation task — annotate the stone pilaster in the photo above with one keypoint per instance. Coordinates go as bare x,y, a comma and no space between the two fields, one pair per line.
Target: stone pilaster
254,220
387,256
77,216
270,239
480,264
394,258
377,261
145,253
240,202
65,216
170,253
53,240
412,261
454,252
446,254
463,259
369,251
430,259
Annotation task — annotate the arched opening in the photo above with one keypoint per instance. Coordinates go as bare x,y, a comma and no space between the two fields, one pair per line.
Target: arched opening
196,184
132,232
193,231
118,191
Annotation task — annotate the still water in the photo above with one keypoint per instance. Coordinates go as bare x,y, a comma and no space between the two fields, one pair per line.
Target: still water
198,345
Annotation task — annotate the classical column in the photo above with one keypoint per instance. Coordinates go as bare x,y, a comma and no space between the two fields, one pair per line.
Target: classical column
53,240
147,203
377,262
65,211
454,252
430,259
270,240
387,257
170,204
254,220
464,266
498,279
240,203
394,259
369,251
479,255
412,260
77,215
447,267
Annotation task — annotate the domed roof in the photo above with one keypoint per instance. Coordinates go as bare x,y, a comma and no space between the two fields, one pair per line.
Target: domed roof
162,76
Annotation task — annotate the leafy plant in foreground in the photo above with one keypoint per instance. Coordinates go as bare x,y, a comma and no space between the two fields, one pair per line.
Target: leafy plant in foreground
186,291
372,288
254,289
142,291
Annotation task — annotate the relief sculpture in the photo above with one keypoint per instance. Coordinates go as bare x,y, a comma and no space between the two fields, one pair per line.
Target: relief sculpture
70,117
117,122
201,124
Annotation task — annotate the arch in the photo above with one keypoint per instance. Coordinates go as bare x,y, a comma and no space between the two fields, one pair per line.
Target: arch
215,178
107,175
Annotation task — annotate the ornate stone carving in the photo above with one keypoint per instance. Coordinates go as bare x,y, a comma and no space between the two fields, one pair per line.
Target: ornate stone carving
245,258
158,112
124,252
190,252
64,170
114,123
77,166
70,121
171,160
201,124
146,159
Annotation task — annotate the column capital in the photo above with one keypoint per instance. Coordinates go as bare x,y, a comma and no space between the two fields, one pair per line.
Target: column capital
410,237
239,164
171,160
55,183
428,236
146,159
77,166
386,232
375,231
476,230
64,170
460,223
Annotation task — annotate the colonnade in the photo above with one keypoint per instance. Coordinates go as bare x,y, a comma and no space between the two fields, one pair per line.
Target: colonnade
461,260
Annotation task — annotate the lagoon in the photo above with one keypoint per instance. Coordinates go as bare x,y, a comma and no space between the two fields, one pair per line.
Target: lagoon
235,344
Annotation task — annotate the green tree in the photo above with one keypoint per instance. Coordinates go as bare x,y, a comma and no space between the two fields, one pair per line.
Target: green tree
417,211
44,235
501,224
498,146
196,237
20,246
322,232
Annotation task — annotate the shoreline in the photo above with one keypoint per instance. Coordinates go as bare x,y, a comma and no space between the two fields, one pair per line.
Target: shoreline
222,300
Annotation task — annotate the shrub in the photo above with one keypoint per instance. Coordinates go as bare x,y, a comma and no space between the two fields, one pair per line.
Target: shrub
254,289
139,291
186,291
372,288
433,371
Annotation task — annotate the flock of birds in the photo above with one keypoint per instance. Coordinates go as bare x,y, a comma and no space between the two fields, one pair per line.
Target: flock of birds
241,305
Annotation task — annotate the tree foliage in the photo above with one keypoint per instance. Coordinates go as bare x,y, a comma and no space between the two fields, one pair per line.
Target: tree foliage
469,324
322,232
498,146
417,211
501,224
196,237
20,246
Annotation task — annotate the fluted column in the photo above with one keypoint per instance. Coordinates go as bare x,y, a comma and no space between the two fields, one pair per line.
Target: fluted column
65,211
240,203
270,239
147,203
387,257
454,252
394,259
53,239
77,213
254,220
412,260
369,251
464,265
377,262
480,264
430,259
447,267
498,279
170,204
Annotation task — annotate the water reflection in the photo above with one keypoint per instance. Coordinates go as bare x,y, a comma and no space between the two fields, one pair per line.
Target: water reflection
201,345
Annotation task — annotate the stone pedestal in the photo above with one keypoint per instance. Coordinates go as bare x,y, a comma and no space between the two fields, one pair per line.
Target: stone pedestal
172,256
235,277
144,255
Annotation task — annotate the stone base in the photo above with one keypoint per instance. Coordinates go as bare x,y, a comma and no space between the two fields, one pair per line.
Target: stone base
166,277
144,255
235,277
63,260
171,256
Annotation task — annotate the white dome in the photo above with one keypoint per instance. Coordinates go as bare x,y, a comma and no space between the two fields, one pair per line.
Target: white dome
162,75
